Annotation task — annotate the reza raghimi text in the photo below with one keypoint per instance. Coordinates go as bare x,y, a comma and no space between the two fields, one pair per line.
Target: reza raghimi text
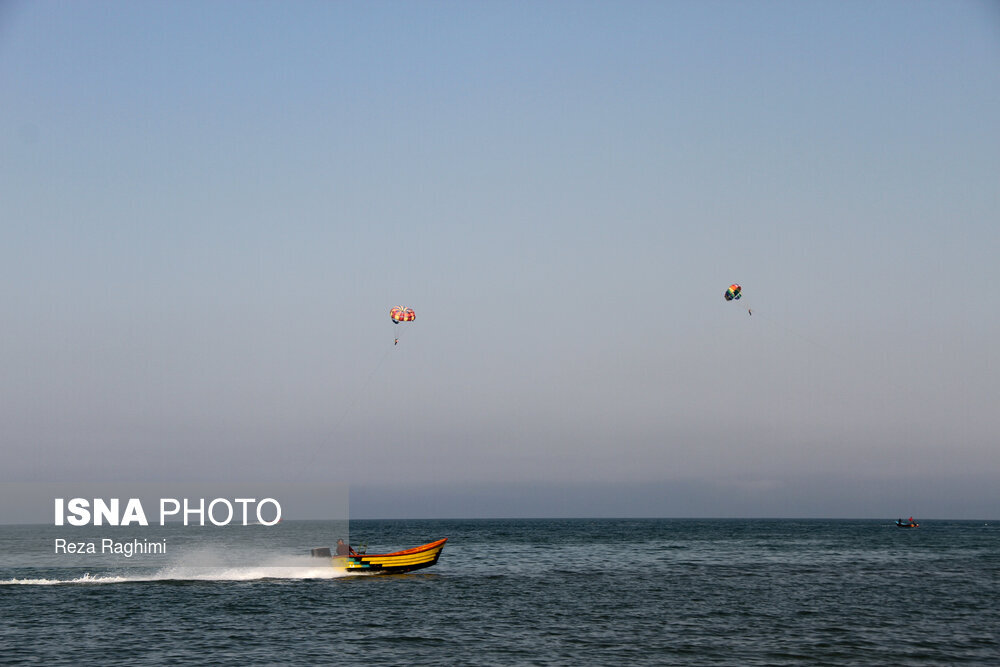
218,512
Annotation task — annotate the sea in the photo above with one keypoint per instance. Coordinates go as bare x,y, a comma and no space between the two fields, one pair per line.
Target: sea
529,592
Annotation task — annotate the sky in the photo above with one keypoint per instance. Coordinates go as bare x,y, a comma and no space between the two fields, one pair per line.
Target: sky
209,208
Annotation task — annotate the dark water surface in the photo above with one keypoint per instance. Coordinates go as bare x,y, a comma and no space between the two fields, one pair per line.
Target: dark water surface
684,592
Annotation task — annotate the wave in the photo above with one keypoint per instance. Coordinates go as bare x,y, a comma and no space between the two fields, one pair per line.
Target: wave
181,572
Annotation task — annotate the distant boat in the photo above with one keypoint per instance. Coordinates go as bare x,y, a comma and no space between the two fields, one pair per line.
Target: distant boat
909,523
396,562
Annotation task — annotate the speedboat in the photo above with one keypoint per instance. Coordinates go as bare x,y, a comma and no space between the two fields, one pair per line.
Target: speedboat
396,562
907,524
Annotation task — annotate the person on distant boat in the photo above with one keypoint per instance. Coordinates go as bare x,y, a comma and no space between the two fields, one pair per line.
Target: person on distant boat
344,549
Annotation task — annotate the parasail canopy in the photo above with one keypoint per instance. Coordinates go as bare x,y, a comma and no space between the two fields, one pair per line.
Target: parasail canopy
402,314
734,292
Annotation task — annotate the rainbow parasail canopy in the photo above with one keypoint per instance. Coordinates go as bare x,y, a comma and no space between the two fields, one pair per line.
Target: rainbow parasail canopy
734,292
402,314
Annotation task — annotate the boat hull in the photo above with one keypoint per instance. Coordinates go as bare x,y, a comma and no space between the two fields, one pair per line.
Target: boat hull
397,562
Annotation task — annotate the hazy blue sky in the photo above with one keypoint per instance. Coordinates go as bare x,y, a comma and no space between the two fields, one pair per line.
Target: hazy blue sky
208,209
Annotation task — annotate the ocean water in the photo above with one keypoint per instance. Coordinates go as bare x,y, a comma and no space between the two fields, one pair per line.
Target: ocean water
546,592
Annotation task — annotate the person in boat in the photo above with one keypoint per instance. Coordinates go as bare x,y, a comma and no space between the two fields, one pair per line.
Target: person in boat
344,549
